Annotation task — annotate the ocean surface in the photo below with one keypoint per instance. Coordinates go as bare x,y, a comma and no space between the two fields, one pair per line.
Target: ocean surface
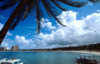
46,57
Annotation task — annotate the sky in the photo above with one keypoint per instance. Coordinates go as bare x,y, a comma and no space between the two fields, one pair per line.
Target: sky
83,27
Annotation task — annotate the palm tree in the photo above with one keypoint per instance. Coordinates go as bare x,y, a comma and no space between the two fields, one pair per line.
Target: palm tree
24,7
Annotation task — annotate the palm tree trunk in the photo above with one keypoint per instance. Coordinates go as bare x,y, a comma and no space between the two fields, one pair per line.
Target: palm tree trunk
6,27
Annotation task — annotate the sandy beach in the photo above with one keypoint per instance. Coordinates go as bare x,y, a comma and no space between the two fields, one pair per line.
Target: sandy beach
89,52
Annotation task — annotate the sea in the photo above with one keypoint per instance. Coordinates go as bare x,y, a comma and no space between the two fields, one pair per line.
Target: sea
53,57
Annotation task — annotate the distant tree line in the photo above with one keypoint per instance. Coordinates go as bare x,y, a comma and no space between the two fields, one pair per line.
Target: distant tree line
90,47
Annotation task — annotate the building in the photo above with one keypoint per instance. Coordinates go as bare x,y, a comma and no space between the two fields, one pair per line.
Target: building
3,48
15,48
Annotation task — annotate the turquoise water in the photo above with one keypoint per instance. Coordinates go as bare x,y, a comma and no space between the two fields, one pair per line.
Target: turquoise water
45,57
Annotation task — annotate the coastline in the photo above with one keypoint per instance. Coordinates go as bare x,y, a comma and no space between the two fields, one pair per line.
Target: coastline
76,51
85,51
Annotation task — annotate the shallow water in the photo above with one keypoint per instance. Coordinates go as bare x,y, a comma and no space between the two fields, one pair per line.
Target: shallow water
46,57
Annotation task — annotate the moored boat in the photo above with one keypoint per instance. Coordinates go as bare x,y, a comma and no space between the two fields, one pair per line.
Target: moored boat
85,60
11,61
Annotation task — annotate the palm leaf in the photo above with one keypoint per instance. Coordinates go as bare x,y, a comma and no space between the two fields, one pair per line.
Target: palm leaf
2,0
39,15
58,5
73,3
95,1
52,11
8,4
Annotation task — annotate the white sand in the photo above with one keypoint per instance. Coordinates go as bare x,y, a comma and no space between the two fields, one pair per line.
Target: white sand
89,52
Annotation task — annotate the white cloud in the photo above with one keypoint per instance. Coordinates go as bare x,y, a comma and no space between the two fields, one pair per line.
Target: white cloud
68,16
5,44
22,40
90,3
77,32
47,25
98,11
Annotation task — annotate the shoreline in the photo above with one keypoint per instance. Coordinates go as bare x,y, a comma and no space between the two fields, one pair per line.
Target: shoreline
85,51
76,51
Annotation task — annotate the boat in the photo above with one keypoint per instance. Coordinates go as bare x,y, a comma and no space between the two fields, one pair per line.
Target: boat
85,60
10,61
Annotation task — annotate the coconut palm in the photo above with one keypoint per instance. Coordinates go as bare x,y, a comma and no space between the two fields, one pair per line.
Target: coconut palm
25,7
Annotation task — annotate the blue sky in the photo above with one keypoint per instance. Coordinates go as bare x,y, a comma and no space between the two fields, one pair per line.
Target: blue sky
82,28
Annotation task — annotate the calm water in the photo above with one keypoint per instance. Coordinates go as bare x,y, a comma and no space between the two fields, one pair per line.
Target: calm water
45,57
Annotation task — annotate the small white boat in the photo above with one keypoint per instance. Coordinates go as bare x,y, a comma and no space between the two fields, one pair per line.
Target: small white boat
11,61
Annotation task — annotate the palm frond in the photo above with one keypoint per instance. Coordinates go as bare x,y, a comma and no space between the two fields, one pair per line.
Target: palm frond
73,3
2,0
16,16
52,11
94,1
58,5
23,13
8,4
29,6
39,15
15,23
